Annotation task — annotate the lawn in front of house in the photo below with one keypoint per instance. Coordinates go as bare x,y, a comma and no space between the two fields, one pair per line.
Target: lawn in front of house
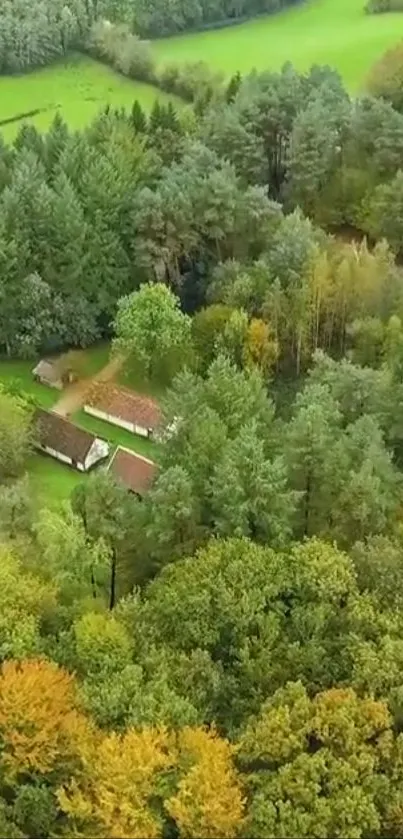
51,482
117,436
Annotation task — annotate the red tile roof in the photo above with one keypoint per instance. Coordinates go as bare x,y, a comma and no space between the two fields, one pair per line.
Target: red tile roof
125,404
133,470
54,431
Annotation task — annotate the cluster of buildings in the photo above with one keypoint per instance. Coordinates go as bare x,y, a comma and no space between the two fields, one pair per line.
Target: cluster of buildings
81,449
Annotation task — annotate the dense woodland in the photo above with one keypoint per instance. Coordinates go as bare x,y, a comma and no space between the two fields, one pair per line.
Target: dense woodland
224,657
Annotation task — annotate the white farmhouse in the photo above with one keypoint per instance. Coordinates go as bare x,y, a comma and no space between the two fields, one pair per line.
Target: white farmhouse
125,408
60,438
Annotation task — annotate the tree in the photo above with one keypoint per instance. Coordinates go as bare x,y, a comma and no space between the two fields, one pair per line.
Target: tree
173,527
308,752
108,513
249,492
138,118
39,725
209,800
386,77
149,326
208,326
15,435
310,450
382,223
233,87
16,509
27,604
261,348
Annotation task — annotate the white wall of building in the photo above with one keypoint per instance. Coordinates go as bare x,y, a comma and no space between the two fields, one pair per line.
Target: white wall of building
129,426
56,454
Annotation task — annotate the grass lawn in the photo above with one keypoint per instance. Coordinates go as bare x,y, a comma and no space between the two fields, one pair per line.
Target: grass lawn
52,482
335,32
77,87
117,436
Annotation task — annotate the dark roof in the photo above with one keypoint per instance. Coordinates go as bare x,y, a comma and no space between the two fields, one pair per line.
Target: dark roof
125,404
58,433
133,470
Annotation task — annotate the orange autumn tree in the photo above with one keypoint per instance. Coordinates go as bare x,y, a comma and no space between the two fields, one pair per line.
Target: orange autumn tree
40,726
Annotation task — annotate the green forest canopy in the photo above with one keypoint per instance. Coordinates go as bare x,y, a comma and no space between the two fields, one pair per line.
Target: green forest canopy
223,657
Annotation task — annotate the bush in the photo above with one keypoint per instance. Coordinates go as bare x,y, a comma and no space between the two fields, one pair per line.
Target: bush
122,50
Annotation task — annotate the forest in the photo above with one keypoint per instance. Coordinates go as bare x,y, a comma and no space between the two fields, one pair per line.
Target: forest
223,657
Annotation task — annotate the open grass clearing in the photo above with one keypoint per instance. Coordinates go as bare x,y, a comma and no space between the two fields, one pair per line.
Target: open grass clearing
77,87
334,32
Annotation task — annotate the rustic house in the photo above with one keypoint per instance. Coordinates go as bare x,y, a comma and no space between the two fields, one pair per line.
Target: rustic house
121,406
134,471
65,441
52,373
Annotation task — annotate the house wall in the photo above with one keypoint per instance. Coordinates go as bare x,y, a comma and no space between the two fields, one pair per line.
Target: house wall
129,426
98,451
56,454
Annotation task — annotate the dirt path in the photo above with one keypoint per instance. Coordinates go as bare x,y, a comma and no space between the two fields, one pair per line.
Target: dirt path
73,397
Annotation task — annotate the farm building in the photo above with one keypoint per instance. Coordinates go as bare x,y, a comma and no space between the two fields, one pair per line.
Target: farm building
52,373
65,441
132,470
120,406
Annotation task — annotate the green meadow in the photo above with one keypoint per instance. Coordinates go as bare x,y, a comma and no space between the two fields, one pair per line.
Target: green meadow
317,31
335,32
78,87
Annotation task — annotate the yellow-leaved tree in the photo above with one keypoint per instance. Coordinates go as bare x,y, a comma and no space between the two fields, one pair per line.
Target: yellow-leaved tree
209,801
115,795
132,783
40,726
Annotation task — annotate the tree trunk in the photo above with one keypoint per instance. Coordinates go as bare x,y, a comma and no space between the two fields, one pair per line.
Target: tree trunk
113,580
307,504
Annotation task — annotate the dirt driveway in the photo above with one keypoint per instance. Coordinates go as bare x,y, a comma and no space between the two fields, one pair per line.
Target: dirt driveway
73,397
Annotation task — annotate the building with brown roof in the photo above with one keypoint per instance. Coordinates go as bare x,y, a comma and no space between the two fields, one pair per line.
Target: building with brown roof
68,443
126,408
134,471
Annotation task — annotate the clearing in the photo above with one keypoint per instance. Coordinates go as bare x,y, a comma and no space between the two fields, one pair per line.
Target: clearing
52,481
335,32
77,87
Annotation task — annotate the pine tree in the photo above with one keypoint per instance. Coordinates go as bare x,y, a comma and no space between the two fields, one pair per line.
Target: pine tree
138,118
156,119
233,87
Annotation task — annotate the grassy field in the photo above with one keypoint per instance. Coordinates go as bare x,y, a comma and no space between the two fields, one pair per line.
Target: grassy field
78,88
335,32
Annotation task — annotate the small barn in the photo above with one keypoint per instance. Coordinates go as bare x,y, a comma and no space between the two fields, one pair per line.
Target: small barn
125,408
135,472
68,443
51,373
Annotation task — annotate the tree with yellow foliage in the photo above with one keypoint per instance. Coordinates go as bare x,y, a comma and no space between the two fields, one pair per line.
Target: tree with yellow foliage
209,801
133,782
261,348
40,726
